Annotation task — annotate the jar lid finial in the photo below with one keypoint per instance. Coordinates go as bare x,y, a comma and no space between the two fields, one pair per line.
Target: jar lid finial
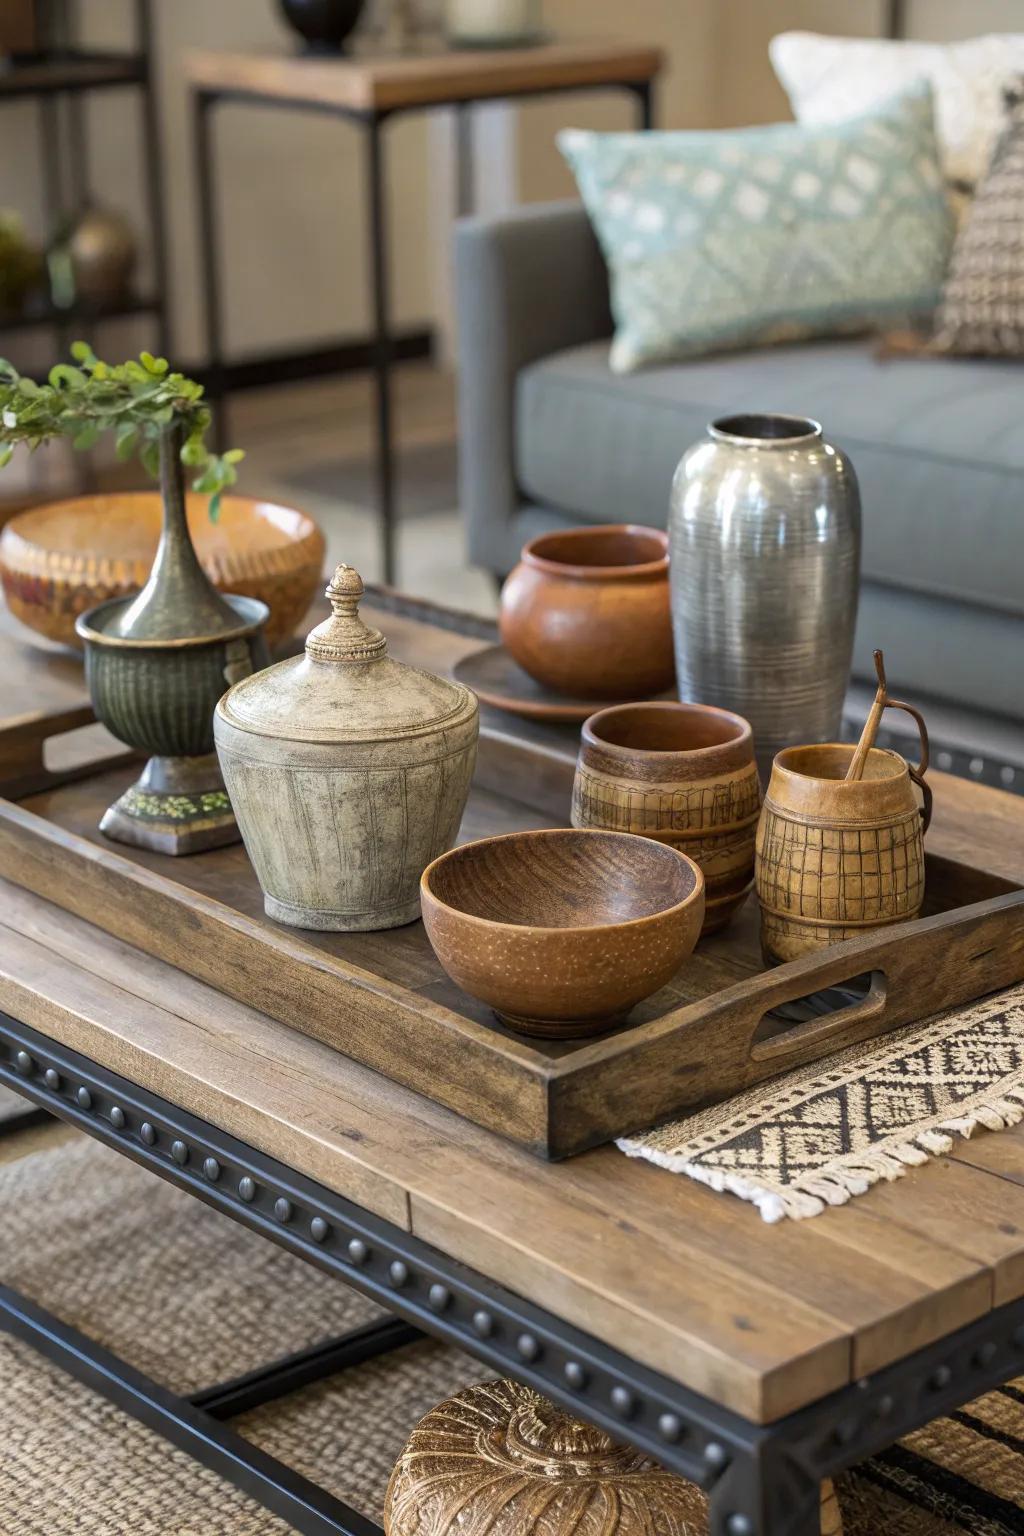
344,636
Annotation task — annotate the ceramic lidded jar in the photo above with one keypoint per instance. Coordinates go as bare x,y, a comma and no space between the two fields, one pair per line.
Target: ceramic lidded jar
348,772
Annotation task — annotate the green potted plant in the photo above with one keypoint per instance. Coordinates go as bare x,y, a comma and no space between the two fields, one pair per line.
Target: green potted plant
156,663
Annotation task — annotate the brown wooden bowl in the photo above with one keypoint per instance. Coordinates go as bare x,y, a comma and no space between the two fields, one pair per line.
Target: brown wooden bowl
562,931
59,560
586,612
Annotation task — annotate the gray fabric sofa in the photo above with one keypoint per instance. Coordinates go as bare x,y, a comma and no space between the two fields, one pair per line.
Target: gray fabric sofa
550,437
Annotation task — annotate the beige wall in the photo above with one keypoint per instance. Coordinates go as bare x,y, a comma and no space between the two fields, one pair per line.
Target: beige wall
290,188
291,184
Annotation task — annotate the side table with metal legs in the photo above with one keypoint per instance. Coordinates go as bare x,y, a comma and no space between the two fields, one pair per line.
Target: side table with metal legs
372,121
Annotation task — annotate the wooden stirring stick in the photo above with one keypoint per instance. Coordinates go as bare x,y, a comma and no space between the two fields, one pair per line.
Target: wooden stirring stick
871,724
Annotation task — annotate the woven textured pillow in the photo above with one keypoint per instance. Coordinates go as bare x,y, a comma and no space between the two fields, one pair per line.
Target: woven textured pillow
717,240
831,78
982,309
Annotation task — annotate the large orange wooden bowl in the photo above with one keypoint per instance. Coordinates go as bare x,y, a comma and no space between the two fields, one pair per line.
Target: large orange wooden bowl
58,560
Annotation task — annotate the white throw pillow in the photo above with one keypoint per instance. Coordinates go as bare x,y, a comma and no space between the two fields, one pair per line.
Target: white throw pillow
831,78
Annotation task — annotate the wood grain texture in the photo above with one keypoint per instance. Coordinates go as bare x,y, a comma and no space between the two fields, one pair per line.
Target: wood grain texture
763,1319
386,1000
563,931
683,774
364,84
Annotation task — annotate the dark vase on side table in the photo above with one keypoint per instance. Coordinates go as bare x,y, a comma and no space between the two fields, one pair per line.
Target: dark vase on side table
324,25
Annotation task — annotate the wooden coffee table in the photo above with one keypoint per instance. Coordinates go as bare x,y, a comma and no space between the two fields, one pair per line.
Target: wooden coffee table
755,1360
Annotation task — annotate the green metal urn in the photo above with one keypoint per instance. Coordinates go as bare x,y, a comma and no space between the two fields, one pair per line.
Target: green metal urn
156,665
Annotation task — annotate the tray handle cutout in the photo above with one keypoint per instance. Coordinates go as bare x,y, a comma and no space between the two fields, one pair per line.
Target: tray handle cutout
817,1016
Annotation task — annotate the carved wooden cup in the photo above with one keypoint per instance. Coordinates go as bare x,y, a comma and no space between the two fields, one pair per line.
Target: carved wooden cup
838,857
683,774
500,1460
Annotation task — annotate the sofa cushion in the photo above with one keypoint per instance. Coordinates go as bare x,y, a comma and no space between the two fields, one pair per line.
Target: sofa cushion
739,237
935,442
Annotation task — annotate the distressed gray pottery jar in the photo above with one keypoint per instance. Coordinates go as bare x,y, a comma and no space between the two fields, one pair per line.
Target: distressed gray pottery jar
764,566
348,771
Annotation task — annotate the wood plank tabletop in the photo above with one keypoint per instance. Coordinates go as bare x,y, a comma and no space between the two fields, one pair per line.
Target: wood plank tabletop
430,77
763,1319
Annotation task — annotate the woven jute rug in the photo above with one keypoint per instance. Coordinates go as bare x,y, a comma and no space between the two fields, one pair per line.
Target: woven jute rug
11,1105
819,1135
190,1298
128,1260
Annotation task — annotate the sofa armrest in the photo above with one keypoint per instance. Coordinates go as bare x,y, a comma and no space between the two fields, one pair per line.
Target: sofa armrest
527,284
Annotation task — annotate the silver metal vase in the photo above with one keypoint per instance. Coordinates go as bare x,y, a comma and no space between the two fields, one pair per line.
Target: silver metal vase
764,564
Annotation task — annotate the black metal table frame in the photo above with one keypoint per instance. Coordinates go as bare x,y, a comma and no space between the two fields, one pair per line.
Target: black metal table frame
762,1480
205,98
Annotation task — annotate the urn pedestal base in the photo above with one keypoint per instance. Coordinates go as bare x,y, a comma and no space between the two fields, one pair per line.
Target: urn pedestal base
177,805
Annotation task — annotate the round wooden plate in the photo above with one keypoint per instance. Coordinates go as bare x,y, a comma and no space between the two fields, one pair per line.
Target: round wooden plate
496,679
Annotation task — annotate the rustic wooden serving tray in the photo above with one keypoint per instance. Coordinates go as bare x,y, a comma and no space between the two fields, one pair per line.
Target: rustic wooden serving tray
720,1026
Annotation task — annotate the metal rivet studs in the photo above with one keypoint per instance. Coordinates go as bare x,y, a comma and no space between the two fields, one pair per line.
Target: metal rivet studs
247,1188
179,1152
358,1251
885,1405
940,1378
985,1354
575,1375
398,1273
84,1098
669,1426
622,1401
483,1322
527,1347
715,1456
740,1525
52,1079
117,1118
283,1209
24,1064
440,1297
147,1133
318,1229
211,1168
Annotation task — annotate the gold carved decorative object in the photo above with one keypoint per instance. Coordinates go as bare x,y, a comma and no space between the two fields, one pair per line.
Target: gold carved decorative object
683,774
840,845
348,771
500,1460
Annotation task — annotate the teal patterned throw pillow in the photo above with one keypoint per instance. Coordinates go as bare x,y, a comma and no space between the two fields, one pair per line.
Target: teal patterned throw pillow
731,238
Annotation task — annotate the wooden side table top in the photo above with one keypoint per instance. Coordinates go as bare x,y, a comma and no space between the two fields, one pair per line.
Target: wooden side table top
386,82
760,1319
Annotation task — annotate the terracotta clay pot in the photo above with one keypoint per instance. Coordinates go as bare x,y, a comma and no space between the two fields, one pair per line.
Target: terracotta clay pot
562,932
681,773
837,858
586,612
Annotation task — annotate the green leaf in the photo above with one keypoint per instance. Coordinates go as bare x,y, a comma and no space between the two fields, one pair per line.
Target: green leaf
214,507
28,387
234,456
62,374
126,441
82,352
153,364
6,454
87,437
193,452
150,456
